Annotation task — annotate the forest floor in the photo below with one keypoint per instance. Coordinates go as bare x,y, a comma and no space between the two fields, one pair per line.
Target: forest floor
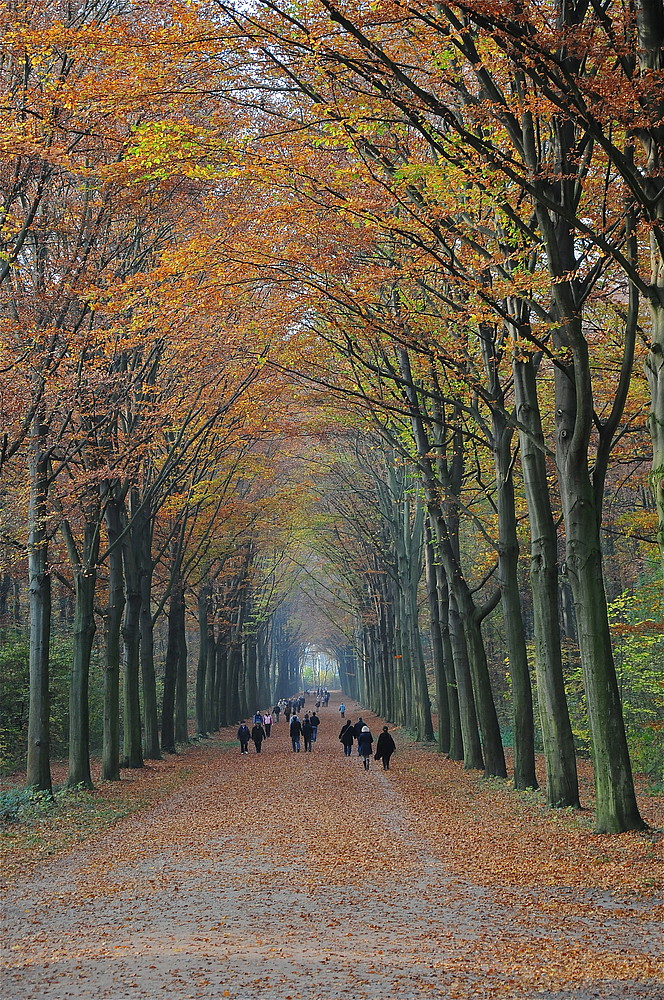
301,876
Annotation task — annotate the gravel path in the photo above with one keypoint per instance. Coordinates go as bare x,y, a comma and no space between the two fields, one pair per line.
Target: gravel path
292,876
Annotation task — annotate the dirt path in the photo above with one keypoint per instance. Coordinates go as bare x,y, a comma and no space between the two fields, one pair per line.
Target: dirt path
301,876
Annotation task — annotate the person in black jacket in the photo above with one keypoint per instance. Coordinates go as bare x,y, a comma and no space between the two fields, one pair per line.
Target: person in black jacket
364,745
357,729
243,735
385,748
347,736
315,723
258,735
295,731
306,733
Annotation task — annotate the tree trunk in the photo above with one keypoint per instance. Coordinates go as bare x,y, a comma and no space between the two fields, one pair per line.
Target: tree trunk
472,746
616,808
142,532
223,715
204,599
250,675
110,767
508,569
38,776
85,580
133,746
500,437
170,675
181,684
437,652
235,708
562,787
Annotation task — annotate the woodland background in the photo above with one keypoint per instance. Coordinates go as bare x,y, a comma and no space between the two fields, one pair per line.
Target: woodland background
336,331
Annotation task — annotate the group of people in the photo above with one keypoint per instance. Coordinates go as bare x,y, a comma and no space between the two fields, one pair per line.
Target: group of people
300,730
385,745
305,731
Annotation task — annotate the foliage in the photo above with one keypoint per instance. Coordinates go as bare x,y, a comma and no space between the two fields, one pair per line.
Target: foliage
636,620
14,671
639,650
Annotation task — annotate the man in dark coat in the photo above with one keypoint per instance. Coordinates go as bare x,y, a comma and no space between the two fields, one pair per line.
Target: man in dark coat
347,736
385,748
258,735
364,745
243,735
295,731
315,723
306,733
357,729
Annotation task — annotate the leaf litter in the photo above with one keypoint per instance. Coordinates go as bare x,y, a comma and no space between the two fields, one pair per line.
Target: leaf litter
300,876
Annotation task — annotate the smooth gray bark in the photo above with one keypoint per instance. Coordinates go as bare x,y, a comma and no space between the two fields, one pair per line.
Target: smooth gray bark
38,776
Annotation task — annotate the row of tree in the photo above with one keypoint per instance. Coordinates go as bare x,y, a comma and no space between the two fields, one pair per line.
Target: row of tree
345,302
491,186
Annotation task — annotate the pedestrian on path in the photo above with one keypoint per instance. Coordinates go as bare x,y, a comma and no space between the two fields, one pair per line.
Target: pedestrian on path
258,735
385,747
315,723
342,710
306,733
295,731
357,729
244,736
267,723
364,745
347,736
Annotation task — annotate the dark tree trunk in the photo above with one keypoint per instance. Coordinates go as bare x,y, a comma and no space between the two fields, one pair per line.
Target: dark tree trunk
561,777
38,774
456,734
110,768
181,686
142,532
508,568
131,632
202,716
85,580
170,673
437,652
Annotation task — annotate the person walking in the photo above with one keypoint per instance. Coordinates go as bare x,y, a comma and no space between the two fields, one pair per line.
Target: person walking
295,731
257,735
364,745
306,733
315,723
385,747
258,718
357,728
276,711
267,724
347,735
342,710
244,736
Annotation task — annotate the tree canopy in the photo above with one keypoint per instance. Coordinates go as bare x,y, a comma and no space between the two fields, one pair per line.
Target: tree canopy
337,329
